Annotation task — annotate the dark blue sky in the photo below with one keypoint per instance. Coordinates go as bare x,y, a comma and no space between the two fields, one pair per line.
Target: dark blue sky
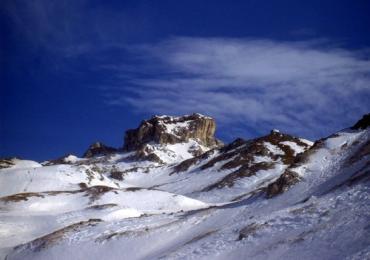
73,72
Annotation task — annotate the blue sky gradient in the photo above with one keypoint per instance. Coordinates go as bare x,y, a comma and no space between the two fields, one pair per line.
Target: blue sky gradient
74,72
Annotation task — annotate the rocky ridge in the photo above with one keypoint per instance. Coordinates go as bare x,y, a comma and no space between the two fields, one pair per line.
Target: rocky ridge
245,158
172,130
272,195
160,131
292,176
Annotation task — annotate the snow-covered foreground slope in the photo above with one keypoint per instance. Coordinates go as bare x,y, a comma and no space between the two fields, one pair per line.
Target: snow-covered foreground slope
51,178
274,197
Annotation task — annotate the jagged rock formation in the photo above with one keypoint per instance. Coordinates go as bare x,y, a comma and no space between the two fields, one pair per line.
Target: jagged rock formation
244,158
98,148
291,175
276,195
363,123
165,136
172,130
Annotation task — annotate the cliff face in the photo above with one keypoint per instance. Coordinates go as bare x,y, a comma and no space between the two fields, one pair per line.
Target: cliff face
172,130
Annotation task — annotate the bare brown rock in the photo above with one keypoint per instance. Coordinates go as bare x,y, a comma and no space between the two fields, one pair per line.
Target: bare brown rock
24,196
287,179
240,155
98,148
363,123
171,130
6,162
145,153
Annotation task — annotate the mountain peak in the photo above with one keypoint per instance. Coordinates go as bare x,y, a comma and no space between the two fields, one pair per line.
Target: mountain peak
172,182
363,123
171,130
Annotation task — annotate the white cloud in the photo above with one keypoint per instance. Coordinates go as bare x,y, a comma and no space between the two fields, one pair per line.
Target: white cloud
301,87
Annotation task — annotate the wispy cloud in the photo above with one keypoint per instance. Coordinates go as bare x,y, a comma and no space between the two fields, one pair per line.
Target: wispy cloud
310,88
71,28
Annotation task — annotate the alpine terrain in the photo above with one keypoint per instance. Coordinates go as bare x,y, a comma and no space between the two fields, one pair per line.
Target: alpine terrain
174,191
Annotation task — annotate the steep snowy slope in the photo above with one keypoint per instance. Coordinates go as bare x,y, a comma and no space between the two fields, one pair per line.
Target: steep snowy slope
274,197
240,168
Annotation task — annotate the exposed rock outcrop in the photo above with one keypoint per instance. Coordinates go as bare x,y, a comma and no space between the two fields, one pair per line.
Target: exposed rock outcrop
98,148
66,159
363,123
6,162
287,179
250,157
290,177
244,158
172,130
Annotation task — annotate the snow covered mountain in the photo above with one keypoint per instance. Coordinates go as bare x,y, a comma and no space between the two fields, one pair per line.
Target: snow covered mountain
173,191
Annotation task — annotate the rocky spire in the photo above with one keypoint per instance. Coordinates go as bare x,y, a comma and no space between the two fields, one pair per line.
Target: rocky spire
172,130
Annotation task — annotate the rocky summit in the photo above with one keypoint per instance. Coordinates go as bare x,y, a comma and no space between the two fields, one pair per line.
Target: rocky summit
173,191
172,130
166,139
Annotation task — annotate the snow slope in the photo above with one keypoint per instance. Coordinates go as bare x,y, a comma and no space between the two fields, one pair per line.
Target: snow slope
213,206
